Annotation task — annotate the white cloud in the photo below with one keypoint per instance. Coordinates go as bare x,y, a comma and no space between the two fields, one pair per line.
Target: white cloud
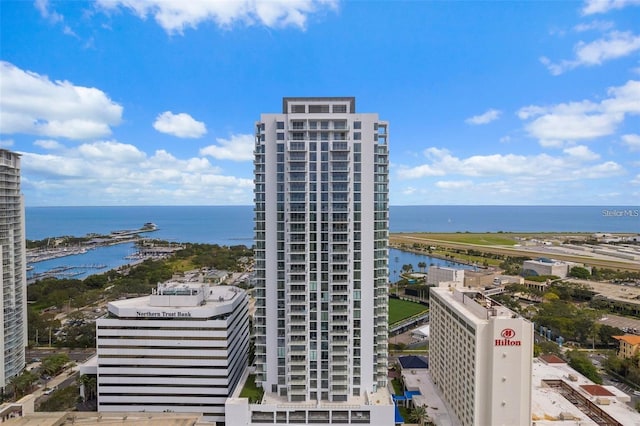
542,166
454,184
576,121
181,125
237,148
111,172
6,143
33,104
636,180
409,190
48,144
594,25
632,141
505,139
592,7
617,44
487,117
581,153
174,16
50,15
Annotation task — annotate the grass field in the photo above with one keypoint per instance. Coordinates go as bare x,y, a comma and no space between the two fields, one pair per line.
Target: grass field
488,239
250,390
401,309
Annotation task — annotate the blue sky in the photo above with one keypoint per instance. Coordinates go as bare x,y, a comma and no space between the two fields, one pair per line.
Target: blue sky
131,102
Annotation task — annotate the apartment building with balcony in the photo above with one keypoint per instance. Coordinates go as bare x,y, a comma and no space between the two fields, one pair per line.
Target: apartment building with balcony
321,261
13,338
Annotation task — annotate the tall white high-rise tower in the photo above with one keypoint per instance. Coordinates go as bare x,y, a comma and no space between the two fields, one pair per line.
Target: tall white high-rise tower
321,234
13,338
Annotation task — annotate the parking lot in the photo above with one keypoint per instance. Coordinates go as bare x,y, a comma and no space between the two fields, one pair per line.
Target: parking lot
621,322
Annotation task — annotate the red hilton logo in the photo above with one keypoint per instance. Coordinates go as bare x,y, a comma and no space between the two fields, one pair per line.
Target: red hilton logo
507,335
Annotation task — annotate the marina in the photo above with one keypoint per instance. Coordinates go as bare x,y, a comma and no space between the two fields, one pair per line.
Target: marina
93,254
62,272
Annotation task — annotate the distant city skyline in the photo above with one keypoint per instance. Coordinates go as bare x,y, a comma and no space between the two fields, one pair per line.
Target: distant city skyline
121,102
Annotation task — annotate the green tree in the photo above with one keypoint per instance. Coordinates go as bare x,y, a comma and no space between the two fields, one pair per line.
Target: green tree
546,347
90,383
419,415
606,333
580,272
407,268
22,383
583,365
422,265
53,364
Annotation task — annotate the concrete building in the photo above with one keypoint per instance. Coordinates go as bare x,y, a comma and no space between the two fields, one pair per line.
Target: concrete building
544,266
480,358
564,397
182,349
13,337
321,259
440,274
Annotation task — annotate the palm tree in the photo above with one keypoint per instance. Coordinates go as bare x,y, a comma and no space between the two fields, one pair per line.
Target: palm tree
90,383
419,415
422,265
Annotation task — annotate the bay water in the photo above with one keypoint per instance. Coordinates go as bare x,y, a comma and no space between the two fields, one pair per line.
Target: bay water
233,225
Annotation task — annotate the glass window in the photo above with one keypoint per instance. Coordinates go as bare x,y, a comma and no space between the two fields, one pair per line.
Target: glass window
280,125
357,124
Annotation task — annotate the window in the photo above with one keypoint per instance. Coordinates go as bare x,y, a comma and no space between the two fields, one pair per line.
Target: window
357,136
339,108
298,109
357,125
315,109
280,125
280,136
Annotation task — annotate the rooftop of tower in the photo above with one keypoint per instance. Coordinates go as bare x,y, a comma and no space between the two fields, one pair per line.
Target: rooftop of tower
319,101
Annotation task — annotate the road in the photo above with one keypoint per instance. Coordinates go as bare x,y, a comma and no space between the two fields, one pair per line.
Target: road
76,355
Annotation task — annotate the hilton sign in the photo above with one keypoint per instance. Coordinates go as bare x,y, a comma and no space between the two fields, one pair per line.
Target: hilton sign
507,335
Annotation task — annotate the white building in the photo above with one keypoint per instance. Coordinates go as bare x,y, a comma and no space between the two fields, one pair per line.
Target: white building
183,349
480,356
544,266
439,274
13,331
321,258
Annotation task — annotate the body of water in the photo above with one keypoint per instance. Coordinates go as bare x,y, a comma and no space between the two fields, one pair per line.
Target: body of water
233,225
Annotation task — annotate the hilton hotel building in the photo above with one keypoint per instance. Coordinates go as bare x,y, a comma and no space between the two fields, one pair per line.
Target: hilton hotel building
480,358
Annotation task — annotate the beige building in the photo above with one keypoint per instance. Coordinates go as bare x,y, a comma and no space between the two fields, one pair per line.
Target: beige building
629,345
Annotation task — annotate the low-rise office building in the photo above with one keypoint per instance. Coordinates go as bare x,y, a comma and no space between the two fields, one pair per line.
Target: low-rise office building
182,349
544,266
